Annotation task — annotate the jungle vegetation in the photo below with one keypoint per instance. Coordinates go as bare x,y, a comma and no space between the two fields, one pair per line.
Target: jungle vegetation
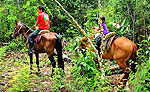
134,16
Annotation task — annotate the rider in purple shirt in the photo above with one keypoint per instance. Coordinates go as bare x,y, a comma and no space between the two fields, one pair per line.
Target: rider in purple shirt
105,31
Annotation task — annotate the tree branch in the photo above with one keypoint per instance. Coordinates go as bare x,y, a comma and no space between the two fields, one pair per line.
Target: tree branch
78,26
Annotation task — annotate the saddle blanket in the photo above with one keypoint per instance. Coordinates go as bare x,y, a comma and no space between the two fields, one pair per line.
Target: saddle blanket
107,40
38,38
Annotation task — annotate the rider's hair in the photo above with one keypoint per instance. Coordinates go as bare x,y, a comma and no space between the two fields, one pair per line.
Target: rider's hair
41,8
103,18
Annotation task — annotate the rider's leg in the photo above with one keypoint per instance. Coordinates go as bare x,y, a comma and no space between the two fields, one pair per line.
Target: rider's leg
98,42
31,40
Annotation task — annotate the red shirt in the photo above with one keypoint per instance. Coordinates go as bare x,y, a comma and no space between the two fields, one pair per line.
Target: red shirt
43,21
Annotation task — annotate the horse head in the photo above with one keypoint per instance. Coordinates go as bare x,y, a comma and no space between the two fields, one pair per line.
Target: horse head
17,30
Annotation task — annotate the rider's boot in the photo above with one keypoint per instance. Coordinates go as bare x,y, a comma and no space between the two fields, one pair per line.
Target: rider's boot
31,47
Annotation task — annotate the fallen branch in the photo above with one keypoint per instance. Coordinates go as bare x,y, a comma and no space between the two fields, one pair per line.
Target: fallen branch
78,26
113,67
5,44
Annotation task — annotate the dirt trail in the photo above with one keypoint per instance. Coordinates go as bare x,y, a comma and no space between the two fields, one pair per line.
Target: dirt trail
11,61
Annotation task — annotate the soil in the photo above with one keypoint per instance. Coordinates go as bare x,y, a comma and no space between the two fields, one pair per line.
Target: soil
11,58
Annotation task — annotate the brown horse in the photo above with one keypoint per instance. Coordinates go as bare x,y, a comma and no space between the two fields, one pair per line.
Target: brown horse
121,50
49,42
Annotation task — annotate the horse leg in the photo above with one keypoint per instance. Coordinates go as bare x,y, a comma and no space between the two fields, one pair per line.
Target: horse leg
126,69
133,67
31,62
122,64
126,76
51,58
37,61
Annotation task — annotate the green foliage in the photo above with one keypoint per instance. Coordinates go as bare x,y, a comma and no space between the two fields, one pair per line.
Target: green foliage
134,15
85,12
22,80
143,51
84,75
59,80
7,49
92,18
14,45
27,10
140,81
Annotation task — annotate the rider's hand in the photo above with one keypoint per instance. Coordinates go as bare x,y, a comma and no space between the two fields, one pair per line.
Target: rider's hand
96,28
93,27
35,26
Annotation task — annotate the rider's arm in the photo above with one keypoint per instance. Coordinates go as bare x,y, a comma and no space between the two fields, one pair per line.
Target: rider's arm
37,21
97,28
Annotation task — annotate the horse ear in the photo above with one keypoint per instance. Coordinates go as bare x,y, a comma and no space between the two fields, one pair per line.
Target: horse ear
16,22
19,22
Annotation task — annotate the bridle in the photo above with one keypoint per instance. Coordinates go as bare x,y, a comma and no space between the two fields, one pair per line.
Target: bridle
18,31
25,34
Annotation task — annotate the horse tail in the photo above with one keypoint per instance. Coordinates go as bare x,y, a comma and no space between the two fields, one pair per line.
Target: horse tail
133,65
134,53
59,51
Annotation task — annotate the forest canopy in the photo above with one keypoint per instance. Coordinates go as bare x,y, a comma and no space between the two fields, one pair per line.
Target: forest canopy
135,14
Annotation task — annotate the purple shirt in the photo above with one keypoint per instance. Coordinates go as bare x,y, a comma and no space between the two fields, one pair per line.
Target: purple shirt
105,31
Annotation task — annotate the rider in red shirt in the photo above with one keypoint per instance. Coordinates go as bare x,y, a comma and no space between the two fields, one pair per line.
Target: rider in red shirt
44,24
43,21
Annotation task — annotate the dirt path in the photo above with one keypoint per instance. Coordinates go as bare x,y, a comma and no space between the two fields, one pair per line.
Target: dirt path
16,61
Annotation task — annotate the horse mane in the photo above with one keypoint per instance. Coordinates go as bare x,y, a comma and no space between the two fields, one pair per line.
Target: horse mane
27,27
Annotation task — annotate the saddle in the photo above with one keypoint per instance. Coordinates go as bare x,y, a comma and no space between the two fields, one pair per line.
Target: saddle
109,35
39,36
107,40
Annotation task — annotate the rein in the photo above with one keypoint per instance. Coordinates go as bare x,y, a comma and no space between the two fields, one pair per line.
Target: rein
29,29
18,32
26,34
